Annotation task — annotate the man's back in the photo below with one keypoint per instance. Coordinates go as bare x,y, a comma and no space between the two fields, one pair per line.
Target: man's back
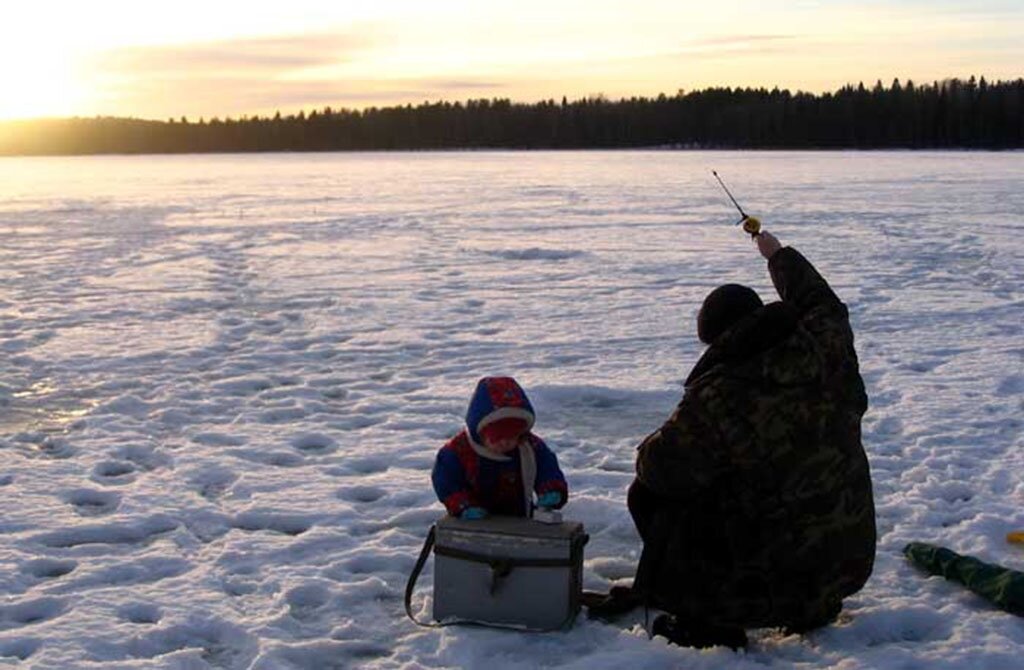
767,515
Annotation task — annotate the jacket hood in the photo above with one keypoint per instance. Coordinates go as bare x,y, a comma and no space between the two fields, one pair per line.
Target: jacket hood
497,398
767,346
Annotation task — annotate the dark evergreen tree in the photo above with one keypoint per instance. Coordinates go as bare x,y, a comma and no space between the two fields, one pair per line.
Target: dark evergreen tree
975,113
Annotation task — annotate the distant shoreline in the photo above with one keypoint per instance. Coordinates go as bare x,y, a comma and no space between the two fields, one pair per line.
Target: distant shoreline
950,115
507,150
513,150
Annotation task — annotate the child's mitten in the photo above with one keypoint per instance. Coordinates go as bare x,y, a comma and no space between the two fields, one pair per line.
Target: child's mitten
473,513
549,499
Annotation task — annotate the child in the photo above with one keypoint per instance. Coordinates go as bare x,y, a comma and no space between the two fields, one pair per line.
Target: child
494,465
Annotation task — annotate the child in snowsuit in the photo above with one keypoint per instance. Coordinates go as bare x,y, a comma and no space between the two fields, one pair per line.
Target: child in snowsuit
495,464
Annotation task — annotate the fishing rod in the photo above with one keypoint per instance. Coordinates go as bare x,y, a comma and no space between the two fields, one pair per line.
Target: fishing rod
751,224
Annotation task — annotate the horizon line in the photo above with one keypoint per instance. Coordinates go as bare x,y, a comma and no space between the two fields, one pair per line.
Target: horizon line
172,118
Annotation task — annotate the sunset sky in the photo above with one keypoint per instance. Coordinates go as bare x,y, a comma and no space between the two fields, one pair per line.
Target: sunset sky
185,57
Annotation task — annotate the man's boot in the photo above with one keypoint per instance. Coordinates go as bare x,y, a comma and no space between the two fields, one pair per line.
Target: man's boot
697,634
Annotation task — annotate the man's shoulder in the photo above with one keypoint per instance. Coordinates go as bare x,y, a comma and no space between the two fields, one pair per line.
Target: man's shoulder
725,378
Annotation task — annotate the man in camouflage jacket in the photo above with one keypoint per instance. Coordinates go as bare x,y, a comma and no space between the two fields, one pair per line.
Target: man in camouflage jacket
754,499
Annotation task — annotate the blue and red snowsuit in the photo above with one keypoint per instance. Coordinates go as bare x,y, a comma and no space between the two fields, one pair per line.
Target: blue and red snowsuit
468,474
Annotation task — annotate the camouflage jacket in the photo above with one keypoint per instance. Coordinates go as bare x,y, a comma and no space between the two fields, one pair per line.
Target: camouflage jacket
764,513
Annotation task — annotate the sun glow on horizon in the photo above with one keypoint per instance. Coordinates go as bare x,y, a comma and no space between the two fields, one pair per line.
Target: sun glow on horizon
39,82
194,58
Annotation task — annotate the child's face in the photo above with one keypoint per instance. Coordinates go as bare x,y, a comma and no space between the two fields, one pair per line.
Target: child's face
503,445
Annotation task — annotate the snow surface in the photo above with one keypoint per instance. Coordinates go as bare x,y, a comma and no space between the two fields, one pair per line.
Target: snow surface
223,381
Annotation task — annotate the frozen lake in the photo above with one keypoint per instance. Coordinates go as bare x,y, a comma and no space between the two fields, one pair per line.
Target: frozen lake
223,380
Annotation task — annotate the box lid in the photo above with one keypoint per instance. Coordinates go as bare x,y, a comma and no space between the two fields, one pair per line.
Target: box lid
513,526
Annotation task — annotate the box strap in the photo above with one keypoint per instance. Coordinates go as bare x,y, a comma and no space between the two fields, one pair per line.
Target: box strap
410,586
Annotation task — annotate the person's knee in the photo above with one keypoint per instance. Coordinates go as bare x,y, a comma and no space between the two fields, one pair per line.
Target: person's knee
641,506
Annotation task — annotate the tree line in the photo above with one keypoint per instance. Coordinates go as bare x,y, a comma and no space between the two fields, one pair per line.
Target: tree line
953,113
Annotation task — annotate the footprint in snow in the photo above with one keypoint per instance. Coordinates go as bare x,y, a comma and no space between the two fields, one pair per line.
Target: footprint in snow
895,626
952,492
314,443
20,648
321,352
279,522
307,602
31,612
361,494
212,439
357,565
371,562
335,393
357,422
1001,482
886,398
48,568
221,644
281,415
114,473
144,457
212,482
56,448
134,532
327,655
888,426
367,466
126,405
298,343
923,366
958,519
281,459
1012,385
140,613
89,502
271,328
237,587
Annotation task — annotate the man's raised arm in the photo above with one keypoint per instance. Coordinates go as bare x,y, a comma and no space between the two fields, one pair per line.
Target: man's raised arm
796,280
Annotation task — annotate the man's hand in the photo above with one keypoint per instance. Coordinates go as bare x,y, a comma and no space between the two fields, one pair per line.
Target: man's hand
767,244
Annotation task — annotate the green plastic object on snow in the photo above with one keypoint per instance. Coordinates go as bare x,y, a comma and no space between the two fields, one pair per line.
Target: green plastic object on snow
1001,586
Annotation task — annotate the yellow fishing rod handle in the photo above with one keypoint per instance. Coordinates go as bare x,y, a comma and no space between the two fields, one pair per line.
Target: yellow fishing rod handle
752,225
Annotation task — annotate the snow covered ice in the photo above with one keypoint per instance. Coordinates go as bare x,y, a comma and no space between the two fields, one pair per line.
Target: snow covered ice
223,380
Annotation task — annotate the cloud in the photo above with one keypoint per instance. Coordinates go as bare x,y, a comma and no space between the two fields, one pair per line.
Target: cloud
739,40
738,45
258,57
260,75
235,96
733,46
470,84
